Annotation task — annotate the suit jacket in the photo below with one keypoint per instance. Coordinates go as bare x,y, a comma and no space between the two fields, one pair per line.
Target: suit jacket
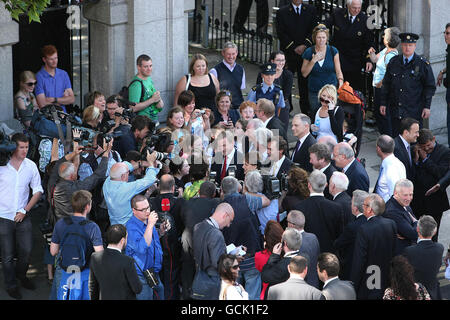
401,153
346,203
113,276
276,124
302,155
285,166
329,172
337,289
294,30
294,289
358,177
238,160
405,225
374,246
345,246
310,249
323,218
428,174
426,258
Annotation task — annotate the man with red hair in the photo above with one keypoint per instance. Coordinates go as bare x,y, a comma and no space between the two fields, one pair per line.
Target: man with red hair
53,84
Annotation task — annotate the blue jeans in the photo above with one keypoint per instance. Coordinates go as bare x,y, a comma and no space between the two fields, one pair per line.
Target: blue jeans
147,292
16,239
251,281
56,281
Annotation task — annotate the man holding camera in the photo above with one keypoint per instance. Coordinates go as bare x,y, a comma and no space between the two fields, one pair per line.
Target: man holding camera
16,178
141,126
144,247
168,206
118,191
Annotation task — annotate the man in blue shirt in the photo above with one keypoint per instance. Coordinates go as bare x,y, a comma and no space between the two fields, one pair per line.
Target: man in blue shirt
118,191
53,85
144,247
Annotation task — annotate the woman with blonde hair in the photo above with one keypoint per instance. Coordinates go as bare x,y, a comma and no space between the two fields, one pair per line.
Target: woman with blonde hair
321,65
204,85
91,117
330,117
24,100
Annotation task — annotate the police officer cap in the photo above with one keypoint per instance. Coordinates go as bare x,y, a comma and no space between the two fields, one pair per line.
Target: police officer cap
269,68
408,37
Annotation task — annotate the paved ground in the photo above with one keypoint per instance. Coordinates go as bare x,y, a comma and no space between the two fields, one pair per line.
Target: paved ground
38,271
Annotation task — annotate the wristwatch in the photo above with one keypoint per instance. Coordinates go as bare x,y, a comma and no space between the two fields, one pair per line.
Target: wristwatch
22,211
55,101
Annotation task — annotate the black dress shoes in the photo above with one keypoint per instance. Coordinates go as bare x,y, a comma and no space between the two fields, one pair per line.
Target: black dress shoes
27,284
14,293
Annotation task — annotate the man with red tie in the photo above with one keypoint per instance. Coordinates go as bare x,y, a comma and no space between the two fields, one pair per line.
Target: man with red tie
227,158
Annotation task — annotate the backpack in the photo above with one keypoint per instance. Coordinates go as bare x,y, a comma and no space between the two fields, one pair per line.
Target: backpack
76,247
124,92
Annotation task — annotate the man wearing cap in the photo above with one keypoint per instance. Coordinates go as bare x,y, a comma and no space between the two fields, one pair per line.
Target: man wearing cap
267,89
408,85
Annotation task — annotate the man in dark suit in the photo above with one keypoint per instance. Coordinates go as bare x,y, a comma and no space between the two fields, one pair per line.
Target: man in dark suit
409,132
426,256
295,23
344,158
323,217
194,211
334,288
432,163
338,187
301,124
345,244
398,209
113,275
225,158
320,158
276,150
310,245
265,111
275,270
352,38
374,249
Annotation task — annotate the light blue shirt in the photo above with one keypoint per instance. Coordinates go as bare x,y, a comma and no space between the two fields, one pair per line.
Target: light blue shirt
85,169
264,88
268,213
409,59
118,194
382,62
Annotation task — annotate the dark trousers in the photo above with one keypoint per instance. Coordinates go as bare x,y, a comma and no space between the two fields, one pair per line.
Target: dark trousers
383,122
187,274
262,14
355,79
294,64
170,272
447,98
16,239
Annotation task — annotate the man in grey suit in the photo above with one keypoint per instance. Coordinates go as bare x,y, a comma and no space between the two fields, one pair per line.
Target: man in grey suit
328,271
310,248
295,288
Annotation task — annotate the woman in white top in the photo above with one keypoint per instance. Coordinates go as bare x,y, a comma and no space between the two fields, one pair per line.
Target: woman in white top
229,272
329,118
391,41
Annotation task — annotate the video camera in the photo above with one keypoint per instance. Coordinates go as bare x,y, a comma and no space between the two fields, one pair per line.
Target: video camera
158,143
7,147
273,187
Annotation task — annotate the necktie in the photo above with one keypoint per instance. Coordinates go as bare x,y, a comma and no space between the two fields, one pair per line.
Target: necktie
274,169
406,60
410,215
379,177
409,154
269,89
224,168
351,19
297,147
296,9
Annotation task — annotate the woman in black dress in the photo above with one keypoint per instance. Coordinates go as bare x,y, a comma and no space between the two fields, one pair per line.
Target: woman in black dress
283,78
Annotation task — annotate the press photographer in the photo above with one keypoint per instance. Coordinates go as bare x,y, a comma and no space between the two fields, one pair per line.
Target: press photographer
115,116
141,126
168,206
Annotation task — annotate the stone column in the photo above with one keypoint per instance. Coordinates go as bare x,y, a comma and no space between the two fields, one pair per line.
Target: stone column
9,35
428,20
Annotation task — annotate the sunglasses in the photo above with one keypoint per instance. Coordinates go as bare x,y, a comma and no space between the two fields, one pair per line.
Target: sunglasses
325,101
30,84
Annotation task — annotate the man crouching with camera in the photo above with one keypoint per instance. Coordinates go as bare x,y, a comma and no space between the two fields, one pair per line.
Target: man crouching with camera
144,246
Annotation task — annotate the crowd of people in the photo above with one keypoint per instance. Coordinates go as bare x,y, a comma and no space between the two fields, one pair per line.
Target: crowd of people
213,204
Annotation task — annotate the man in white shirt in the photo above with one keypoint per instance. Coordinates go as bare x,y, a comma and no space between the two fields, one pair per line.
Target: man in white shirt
16,178
391,169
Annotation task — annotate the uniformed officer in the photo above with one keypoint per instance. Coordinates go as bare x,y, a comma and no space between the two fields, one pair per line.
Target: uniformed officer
408,85
267,89
353,39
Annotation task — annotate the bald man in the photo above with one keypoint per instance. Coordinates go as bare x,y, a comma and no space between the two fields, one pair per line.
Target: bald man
118,191
209,245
